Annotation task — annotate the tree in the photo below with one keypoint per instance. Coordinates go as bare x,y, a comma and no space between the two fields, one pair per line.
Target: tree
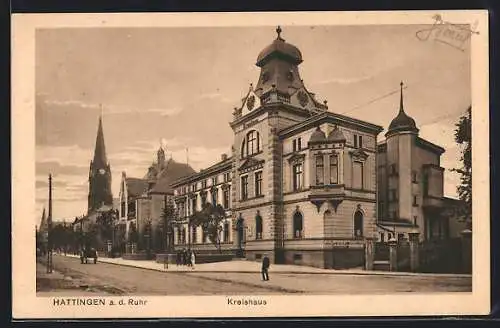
210,218
463,136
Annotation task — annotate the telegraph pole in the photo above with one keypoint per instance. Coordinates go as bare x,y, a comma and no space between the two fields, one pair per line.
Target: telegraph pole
49,229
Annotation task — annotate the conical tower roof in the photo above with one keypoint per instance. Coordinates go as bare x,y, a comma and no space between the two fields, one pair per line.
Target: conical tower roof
100,158
43,221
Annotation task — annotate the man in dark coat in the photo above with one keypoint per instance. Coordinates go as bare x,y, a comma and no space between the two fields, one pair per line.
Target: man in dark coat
265,268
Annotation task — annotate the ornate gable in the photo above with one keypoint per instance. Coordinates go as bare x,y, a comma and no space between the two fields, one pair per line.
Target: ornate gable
296,158
304,99
358,154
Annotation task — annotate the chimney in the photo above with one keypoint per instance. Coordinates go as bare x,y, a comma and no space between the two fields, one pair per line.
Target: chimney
223,157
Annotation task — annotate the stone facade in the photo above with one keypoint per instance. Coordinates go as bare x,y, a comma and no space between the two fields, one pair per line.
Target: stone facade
303,179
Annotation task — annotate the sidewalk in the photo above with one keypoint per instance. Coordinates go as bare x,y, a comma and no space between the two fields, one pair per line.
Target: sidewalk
243,266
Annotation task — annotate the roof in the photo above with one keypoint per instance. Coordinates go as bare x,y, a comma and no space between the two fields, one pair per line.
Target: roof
329,117
318,136
402,122
429,145
136,186
217,167
172,172
100,158
336,135
279,49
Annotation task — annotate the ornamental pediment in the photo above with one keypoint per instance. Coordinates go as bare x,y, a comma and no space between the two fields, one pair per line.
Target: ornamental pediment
296,158
251,164
358,154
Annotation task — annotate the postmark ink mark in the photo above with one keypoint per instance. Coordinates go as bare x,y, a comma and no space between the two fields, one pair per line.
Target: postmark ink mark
454,35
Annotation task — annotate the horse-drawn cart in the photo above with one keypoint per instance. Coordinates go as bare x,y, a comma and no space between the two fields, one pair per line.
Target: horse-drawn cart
85,254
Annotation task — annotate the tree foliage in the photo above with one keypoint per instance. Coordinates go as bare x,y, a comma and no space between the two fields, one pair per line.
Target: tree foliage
210,219
463,136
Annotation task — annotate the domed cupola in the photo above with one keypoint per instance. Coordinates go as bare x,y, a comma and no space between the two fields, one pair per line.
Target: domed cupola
318,136
402,122
336,136
280,49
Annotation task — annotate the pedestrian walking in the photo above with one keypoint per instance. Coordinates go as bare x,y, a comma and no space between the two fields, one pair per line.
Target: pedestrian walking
193,260
265,268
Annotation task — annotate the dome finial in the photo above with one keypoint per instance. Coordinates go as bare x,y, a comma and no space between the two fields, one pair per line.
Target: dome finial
278,31
401,109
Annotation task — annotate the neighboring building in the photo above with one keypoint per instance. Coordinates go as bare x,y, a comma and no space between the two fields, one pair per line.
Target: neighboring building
142,200
303,180
99,175
410,183
212,185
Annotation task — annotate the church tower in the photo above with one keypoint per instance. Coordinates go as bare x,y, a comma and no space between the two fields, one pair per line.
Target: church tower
99,174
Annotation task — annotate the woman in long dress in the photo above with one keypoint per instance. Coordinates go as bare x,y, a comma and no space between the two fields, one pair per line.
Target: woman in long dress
193,260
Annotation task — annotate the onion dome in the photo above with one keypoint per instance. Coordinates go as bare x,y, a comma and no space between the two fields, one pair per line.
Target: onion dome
402,122
280,49
318,136
336,136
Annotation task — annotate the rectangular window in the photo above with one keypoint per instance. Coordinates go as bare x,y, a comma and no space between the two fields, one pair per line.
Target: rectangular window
258,256
393,195
355,141
258,183
415,202
194,238
227,177
360,142
297,177
214,181
381,209
193,205
426,184
244,187
393,170
334,169
226,198
215,197
203,184
226,232
320,173
414,176
299,143
357,175
294,145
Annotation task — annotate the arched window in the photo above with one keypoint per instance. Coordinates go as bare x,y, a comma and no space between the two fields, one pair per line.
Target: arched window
251,145
297,225
258,227
358,224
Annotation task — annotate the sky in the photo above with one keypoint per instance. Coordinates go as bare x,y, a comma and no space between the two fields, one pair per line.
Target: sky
178,86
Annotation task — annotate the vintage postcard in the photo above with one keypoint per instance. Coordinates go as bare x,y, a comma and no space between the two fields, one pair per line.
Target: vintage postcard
250,164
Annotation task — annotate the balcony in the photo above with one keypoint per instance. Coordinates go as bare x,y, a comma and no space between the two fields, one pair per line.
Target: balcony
334,194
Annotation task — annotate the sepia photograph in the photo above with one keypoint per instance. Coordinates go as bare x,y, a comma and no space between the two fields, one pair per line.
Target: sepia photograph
297,156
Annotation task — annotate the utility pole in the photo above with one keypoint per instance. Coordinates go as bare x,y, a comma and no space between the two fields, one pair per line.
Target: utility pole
49,229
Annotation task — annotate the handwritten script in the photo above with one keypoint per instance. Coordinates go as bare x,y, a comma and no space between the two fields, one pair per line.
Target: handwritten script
454,35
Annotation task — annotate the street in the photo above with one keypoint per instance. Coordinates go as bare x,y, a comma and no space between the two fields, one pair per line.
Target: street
117,279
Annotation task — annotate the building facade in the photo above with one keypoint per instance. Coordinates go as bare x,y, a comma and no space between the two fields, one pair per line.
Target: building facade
143,200
303,179
410,185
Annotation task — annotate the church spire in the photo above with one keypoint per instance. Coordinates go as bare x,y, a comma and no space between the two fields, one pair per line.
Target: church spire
100,158
43,221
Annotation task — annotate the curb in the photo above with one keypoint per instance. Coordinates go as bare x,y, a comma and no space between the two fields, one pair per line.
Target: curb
274,288
356,273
